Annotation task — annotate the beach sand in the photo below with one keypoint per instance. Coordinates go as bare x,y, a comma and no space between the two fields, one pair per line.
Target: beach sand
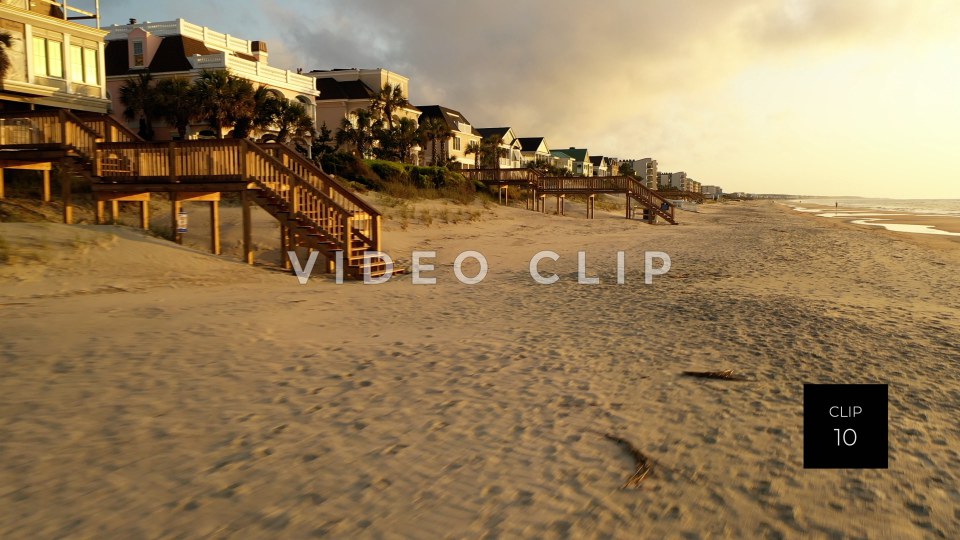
152,390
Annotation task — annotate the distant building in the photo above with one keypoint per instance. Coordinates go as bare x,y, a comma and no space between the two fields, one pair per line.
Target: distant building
614,166
600,166
646,170
562,161
582,165
535,150
341,92
182,49
513,151
712,192
463,135
678,180
54,61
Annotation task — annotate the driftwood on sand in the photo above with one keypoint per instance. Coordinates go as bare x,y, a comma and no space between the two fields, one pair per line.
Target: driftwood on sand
643,464
726,375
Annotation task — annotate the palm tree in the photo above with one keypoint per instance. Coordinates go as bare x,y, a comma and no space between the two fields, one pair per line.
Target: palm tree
6,41
492,151
435,131
256,108
139,99
401,138
175,104
223,99
359,132
473,147
291,120
387,101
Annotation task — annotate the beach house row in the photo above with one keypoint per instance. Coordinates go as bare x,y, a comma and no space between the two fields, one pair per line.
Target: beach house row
57,62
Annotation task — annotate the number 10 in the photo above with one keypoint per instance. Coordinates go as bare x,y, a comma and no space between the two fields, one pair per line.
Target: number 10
844,437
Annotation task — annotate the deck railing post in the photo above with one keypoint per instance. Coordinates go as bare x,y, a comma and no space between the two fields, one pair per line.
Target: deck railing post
345,235
172,161
62,116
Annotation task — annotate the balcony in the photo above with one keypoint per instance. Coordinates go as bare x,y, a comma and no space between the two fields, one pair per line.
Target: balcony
180,27
256,72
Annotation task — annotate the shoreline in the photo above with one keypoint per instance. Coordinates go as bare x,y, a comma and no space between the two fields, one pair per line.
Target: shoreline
938,224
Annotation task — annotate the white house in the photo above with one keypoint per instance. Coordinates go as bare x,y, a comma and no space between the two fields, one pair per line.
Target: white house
55,62
340,92
463,134
513,158
534,150
182,49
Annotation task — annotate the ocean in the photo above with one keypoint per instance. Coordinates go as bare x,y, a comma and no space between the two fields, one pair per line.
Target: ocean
948,207
892,214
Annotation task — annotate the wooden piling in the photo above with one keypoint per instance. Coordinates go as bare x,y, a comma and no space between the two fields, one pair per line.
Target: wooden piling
215,227
174,211
247,227
46,186
145,214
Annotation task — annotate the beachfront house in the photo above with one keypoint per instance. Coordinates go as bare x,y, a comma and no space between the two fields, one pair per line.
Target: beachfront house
182,49
55,61
341,92
613,164
534,150
562,161
582,165
463,137
511,150
600,166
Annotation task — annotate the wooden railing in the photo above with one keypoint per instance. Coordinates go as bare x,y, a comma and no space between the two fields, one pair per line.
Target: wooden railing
305,199
366,218
60,127
213,160
682,194
629,185
108,127
653,200
233,160
502,176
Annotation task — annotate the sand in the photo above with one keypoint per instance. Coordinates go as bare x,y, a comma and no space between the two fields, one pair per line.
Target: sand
152,390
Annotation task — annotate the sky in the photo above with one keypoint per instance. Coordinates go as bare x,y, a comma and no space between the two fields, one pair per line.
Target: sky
811,97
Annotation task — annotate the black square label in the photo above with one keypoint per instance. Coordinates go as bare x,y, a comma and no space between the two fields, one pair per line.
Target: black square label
844,426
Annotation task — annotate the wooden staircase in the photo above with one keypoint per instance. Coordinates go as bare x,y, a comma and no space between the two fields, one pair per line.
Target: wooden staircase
319,213
652,203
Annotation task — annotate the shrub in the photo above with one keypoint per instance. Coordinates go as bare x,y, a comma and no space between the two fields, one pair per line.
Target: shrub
388,171
351,168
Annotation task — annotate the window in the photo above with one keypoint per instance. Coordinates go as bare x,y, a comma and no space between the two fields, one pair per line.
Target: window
83,65
138,54
456,143
47,57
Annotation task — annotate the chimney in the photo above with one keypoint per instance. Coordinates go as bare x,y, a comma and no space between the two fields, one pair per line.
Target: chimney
259,50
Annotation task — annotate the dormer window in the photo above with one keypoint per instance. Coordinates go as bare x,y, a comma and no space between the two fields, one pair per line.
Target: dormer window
137,54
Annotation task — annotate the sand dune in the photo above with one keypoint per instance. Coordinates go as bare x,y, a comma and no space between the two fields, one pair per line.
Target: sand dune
153,390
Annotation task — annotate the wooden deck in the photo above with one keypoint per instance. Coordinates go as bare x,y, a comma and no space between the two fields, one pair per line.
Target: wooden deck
315,211
538,186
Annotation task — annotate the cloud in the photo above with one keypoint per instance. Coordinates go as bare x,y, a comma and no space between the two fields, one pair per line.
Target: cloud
698,84
559,69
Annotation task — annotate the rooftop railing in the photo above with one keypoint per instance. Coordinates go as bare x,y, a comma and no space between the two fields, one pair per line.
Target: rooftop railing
256,71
